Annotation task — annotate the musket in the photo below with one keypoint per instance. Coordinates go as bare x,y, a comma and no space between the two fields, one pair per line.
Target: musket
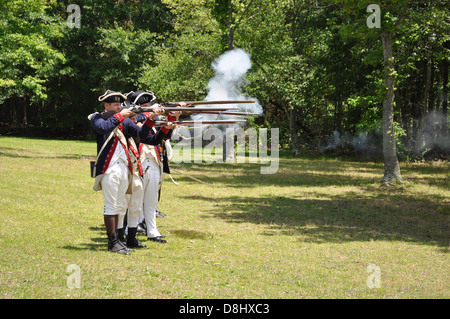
140,109
175,106
192,110
182,122
171,107
192,103
231,113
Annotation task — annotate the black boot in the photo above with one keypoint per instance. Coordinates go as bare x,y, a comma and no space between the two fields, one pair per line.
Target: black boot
121,234
132,241
114,244
121,237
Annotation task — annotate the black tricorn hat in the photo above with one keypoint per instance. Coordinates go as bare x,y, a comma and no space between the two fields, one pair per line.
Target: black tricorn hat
141,117
141,97
112,97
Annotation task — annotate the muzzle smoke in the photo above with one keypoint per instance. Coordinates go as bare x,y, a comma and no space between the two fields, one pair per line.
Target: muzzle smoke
228,82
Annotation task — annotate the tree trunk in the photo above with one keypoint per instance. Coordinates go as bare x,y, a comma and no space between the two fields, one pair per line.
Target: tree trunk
294,126
444,126
428,84
230,28
293,129
24,105
294,133
391,166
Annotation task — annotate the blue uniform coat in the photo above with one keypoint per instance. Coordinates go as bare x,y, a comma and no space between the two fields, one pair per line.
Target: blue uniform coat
103,128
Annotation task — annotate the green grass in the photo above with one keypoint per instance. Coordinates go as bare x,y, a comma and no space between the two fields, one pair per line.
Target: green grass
309,231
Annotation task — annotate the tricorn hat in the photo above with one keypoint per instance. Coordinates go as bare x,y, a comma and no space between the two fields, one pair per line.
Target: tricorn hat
112,97
141,117
141,97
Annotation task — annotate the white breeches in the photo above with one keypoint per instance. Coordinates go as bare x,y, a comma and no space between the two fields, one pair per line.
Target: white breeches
152,177
114,185
134,204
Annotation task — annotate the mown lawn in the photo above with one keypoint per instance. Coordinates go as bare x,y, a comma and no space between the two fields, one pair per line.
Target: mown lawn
312,230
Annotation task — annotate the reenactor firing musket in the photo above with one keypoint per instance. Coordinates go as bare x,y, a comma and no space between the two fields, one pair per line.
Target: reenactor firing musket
124,141
187,107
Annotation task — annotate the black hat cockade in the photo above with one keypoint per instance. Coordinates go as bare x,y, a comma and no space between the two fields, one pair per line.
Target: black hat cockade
112,97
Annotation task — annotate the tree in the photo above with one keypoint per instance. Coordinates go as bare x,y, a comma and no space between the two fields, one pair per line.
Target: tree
182,65
284,75
27,59
383,29
109,51
391,165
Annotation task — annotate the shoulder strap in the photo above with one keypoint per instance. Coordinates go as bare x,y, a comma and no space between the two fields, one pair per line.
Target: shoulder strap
103,147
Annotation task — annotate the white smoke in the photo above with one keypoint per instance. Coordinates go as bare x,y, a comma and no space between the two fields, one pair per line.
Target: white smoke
230,71
430,138
361,142
227,84
430,135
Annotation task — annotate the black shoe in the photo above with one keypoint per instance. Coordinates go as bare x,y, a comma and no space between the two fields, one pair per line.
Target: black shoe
159,214
135,243
158,239
141,228
115,245
132,241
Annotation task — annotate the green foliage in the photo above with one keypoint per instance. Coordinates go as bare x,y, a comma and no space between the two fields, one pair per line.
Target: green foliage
27,57
182,68
316,65
182,65
123,53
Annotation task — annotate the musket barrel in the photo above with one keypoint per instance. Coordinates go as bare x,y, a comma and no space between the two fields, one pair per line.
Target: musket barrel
209,102
182,109
161,123
175,107
231,113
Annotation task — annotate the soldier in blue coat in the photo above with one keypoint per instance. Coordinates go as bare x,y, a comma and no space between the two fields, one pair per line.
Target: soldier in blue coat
113,167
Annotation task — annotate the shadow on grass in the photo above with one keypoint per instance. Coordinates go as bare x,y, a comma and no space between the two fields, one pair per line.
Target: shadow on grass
99,243
248,176
93,247
190,234
374,213
339,219
302,172
33,154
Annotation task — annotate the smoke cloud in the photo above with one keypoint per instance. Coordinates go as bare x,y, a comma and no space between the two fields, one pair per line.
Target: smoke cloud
429,141
230,71
227,84
362,142
430,135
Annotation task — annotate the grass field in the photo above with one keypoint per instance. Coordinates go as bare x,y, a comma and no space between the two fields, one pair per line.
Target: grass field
316,229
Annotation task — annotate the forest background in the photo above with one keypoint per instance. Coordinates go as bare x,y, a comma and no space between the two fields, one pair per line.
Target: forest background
321,70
